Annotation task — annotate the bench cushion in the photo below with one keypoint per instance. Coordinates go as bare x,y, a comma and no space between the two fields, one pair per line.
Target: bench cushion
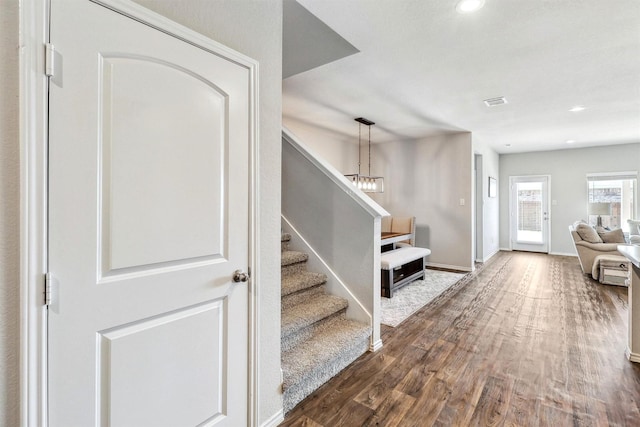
398,257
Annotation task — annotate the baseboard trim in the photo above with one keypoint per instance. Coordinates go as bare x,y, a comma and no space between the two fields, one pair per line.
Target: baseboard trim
550,253
375,346
447,266
488,257
274,420
633,357
563,254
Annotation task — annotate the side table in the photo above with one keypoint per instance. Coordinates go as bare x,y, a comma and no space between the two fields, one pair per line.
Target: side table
614,270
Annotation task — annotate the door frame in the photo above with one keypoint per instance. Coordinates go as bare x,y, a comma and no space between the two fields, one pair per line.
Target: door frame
478,207
33,107
512,180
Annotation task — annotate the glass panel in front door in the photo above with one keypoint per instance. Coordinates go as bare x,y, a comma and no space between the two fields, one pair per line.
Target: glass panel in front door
530,214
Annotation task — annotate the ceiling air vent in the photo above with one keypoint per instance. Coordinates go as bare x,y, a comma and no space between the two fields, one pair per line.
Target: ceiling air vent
492,102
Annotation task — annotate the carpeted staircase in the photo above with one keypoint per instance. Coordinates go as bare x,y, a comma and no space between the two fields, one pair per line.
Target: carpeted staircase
318,341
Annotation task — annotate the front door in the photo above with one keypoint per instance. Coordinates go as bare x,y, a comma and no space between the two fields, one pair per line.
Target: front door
529,212
148,221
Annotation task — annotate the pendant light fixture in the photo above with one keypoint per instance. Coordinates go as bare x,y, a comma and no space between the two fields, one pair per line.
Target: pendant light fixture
366,183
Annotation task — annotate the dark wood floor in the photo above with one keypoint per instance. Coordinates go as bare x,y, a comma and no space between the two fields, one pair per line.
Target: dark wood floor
527,341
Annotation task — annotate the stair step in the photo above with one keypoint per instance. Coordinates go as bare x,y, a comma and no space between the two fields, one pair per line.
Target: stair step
295,338
297,288
292,257
317,340
315,309
285,238
302,280
314,361
302,296
293,262
324,345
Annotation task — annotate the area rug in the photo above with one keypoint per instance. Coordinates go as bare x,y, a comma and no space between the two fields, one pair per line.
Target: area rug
412,297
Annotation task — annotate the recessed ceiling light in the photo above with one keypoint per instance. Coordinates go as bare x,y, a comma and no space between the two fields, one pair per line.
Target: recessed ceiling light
577,108
492,102
570,141
468,6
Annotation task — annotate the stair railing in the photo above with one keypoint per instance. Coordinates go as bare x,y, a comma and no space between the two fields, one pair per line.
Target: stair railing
341,225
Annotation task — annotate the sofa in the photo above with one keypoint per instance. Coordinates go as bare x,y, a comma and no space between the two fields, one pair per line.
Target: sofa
590,244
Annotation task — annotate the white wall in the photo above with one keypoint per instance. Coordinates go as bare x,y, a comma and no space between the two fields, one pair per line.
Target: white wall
250,27
341,151
9,216
568,170
490,205
427,179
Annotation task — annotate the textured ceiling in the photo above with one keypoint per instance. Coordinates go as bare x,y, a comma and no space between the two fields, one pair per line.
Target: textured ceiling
424,69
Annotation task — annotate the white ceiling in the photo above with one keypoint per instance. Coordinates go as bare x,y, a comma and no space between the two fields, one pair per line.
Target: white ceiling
424,69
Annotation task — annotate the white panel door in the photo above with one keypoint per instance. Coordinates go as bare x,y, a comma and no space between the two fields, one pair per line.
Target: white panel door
529,212
148,220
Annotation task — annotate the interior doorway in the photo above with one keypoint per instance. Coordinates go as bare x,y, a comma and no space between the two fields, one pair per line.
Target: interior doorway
479,210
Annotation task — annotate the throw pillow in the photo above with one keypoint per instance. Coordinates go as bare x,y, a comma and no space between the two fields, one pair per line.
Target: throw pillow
634,227
613,236
588,233
580,221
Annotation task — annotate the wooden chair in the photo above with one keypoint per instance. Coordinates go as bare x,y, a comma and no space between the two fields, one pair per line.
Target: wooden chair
404,225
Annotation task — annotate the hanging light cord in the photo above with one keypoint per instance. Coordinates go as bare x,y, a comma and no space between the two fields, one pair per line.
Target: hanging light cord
369,150
359,137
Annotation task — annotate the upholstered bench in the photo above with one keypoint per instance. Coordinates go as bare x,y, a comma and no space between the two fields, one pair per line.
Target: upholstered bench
401,266
611,269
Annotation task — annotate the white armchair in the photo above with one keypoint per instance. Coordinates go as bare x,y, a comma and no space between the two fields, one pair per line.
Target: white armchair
634,231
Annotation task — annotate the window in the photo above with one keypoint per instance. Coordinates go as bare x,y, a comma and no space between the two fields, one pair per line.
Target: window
612,197
529,212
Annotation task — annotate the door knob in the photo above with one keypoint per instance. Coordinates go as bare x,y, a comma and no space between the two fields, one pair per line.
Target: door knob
239,276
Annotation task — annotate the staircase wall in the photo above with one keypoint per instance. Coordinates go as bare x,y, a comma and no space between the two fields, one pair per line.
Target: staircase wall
339,222
334,284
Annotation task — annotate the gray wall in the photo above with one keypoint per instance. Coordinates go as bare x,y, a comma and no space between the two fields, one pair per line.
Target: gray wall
490,205
568,170
9,216
250,27
426,179
423,178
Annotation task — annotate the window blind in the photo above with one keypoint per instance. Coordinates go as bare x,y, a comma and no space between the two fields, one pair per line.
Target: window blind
610,176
